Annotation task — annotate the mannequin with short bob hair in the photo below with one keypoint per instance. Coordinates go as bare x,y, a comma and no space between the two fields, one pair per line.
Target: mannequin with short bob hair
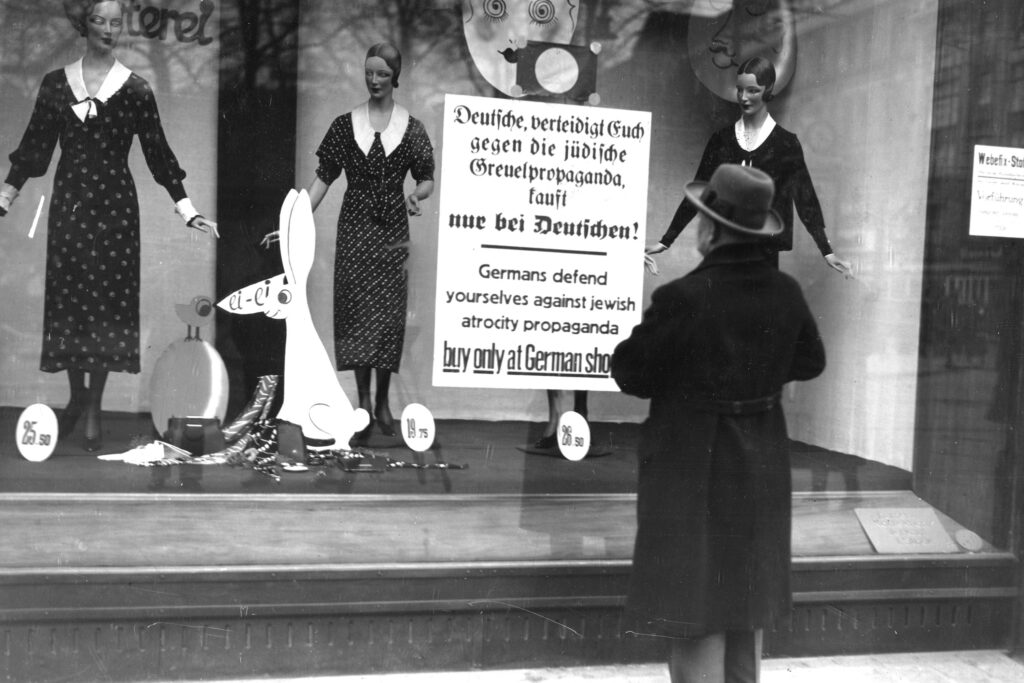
755,139
763,72
391,56
377,144
78,12
95,108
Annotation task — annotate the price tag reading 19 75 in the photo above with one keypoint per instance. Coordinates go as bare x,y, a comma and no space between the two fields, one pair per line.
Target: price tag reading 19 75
36,432
418,427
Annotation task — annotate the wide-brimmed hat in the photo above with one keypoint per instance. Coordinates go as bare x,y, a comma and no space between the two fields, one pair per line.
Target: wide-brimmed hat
739,198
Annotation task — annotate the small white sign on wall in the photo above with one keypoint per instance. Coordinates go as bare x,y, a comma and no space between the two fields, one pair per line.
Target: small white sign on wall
997,192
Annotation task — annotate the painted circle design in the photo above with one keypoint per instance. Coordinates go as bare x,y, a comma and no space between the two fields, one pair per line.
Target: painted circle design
557,71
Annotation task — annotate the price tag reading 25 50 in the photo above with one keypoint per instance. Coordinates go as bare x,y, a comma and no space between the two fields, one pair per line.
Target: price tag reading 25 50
36,433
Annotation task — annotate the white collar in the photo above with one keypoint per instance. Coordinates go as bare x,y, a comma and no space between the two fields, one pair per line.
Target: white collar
112,82
390,138
762,134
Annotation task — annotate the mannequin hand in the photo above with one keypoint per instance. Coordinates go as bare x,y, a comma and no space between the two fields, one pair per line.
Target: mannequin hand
655,248
202,225
412,205
839,265
650,264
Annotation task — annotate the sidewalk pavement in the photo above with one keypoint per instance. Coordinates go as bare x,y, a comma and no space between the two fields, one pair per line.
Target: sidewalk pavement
971,666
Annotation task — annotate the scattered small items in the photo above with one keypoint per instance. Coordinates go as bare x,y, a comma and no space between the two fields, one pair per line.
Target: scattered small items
254,441
153,453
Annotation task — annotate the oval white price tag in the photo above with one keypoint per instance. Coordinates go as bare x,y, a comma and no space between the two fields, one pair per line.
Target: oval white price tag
36,432
417,427
573,436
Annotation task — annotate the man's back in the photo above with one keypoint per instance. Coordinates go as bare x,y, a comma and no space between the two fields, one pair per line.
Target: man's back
713,499
734,328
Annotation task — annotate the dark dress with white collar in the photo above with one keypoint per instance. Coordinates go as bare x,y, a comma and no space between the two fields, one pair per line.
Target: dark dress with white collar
370,281
91,313
780,156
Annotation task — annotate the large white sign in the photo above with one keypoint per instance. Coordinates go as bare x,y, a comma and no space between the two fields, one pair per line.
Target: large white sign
997,192
540,248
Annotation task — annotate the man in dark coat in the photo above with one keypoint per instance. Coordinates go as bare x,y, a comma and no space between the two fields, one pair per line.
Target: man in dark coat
712,555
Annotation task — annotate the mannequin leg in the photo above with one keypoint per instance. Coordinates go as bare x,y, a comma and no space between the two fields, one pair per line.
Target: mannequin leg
76,403
555,399
382,408
554,410
698,660
548,438
93,410
743,656
363,391
579,403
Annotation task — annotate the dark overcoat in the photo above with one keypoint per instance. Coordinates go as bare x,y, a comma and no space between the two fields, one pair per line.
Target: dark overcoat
712,550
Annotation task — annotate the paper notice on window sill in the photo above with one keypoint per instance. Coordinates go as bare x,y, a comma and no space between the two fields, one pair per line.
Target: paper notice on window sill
905,530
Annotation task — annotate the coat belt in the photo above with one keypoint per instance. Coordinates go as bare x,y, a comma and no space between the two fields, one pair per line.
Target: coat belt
749,406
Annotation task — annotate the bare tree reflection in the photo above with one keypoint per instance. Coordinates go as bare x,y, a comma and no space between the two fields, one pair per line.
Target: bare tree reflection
256,167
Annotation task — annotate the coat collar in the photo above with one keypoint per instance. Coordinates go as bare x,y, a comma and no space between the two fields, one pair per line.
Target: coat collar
748,252
84,106
391,136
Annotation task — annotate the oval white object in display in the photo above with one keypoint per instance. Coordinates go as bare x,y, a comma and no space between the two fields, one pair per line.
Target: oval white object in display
417,427
36,432
189,380
573,436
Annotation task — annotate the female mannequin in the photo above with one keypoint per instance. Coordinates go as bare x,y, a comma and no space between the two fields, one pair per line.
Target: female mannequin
376,145
94,107
756,140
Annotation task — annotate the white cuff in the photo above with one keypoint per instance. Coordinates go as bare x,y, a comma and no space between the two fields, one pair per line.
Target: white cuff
7,196
184,208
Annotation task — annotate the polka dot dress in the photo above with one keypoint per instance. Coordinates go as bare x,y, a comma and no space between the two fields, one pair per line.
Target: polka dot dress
370,281
91,314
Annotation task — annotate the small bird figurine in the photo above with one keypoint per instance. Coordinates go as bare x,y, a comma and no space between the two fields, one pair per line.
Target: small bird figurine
195,314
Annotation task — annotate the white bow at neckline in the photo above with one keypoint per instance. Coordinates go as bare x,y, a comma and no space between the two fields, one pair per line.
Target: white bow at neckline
86,105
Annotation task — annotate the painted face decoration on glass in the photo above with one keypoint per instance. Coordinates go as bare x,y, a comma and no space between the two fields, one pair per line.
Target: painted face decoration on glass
725,33
497,30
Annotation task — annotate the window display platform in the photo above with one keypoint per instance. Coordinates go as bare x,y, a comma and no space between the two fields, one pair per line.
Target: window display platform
407,570
493,453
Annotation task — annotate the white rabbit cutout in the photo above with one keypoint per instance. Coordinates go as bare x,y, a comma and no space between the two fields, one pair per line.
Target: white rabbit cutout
313,398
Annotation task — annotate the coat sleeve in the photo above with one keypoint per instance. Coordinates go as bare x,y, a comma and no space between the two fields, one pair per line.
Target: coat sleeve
638,363
33,155
809,354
